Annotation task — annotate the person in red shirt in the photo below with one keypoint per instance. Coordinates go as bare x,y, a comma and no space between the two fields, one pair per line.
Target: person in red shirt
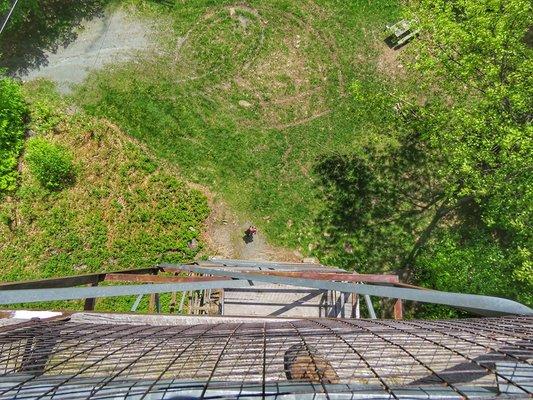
249,234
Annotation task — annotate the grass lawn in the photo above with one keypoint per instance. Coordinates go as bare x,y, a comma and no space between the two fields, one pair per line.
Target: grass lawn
246,99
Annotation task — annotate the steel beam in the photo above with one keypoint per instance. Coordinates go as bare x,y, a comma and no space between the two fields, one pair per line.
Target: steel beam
136,303
398,309
313,274
333,276
90,302
483,305
370,307
69,281
73,293
258,264
159,279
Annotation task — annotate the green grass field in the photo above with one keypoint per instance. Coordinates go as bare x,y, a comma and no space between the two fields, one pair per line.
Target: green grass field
247,99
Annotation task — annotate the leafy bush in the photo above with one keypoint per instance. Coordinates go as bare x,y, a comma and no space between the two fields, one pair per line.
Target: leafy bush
12,114
51,164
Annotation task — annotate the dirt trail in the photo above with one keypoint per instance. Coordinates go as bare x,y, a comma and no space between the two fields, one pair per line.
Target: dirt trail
224,236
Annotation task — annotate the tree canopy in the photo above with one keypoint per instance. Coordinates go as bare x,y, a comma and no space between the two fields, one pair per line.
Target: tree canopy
450,205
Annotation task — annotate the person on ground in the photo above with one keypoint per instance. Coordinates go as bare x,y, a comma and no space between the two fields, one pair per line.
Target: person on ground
249,234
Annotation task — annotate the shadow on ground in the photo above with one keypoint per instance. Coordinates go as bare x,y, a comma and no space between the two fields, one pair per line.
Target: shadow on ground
41,27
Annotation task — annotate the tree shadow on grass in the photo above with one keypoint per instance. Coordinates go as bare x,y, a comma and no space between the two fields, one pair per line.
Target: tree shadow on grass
359,223
38,27
374,206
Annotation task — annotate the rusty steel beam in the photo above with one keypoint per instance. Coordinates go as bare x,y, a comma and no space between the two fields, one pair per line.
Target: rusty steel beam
55,283
69,281
333,276
322,276
115,277
339,276
154,303
398,309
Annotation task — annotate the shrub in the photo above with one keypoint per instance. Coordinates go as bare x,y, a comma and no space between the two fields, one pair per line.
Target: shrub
12,114
51,164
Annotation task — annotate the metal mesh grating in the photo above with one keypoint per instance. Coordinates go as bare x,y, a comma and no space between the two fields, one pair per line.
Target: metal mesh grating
322,358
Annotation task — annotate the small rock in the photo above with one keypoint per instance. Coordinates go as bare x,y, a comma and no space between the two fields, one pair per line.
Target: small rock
310,260
348,248
71,110
243,21
80,267
193,244
245,104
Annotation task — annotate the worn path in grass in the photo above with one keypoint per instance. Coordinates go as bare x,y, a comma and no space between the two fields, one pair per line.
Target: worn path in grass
118,36
224,235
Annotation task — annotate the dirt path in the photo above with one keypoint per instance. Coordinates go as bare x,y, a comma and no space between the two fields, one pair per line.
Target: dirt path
224,236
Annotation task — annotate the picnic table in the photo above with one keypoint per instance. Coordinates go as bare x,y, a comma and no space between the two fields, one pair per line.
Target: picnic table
402,31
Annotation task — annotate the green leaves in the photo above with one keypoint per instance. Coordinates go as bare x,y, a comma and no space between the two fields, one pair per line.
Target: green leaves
476,53
12,114
453,201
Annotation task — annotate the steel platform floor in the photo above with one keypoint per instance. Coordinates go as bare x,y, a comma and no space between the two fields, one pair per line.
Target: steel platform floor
255,358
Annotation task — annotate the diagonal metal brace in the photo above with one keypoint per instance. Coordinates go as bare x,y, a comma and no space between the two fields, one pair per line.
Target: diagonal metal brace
483,305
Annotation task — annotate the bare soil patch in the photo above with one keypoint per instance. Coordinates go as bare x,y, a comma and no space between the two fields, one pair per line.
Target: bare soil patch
389,61
224,233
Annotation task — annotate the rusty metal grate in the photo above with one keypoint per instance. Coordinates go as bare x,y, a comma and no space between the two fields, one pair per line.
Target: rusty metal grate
324,358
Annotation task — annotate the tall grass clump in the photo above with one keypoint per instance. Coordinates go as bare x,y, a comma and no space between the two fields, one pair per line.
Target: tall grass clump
50,163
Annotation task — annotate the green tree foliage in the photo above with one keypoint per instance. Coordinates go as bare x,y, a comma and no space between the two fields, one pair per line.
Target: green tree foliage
478,54
12,115
50,163
450,206
4,6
